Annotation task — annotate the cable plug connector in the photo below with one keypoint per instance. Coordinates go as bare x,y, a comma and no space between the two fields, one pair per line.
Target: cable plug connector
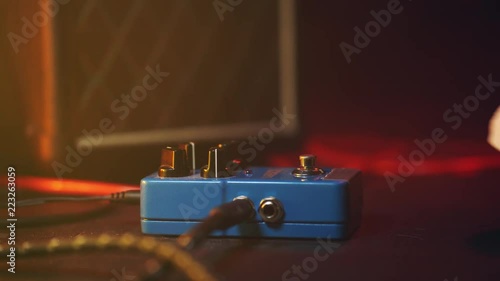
128,197
239,210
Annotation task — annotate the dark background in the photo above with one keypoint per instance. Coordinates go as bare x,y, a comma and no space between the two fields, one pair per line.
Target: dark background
399,86
423,62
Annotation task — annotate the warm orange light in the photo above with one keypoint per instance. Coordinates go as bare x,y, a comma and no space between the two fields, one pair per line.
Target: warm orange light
70,187
47,93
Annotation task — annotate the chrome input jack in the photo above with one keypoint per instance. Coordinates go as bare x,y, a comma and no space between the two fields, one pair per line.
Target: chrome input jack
271,210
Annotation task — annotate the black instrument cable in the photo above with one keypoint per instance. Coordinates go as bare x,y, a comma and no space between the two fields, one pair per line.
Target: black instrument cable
239,210
129,196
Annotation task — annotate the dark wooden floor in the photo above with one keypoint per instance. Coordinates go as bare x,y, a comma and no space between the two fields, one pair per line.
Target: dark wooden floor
430,228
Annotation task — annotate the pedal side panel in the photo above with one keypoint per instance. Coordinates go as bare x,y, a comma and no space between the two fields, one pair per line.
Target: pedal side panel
317,202
176,199
324,206
255,230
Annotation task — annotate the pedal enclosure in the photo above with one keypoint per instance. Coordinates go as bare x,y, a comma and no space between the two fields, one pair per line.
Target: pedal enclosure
327,205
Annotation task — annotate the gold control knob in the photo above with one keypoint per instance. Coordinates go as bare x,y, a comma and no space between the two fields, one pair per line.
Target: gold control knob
177,161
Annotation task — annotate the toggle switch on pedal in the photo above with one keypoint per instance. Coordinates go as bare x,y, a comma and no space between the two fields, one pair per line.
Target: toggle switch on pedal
223,161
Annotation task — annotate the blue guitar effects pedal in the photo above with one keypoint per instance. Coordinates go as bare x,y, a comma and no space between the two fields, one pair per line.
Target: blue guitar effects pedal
302,202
